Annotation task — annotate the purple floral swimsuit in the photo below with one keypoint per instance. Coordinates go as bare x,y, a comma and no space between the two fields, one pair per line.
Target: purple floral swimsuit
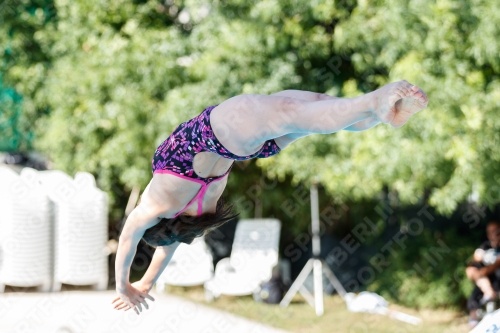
175,155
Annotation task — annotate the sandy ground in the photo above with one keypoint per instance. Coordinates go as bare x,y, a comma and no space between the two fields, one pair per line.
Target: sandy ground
92,312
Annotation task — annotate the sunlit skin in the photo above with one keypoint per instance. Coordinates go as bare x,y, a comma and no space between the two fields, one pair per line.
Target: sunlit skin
242,124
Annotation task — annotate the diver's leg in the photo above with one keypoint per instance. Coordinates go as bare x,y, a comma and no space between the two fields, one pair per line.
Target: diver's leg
242,123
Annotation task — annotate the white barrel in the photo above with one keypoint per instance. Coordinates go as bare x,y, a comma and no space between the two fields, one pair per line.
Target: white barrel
80,230
25,230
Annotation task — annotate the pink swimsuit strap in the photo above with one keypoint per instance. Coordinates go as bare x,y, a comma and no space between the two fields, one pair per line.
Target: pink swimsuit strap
201,193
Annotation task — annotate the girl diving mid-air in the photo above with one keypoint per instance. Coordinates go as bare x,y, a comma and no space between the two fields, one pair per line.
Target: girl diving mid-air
190,168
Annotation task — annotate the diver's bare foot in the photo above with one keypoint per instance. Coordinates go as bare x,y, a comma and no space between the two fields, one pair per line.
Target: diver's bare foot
408,106
382,101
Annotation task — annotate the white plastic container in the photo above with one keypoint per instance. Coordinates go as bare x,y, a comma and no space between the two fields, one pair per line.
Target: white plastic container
25,231
80,230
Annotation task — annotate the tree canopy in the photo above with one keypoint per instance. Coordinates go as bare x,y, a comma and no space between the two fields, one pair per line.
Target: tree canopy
104,82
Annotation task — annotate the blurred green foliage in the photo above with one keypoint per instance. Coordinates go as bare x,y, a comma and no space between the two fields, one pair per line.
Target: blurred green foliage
11,138
430,271
450,50
105,82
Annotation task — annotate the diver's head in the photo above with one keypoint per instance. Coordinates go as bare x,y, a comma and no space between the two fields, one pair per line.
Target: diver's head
185,228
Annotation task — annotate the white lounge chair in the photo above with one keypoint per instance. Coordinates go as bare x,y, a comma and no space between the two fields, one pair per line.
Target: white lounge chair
25,231
191,265
253,256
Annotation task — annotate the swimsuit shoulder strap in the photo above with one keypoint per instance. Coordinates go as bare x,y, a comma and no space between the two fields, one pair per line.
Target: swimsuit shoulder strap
199,197
201,193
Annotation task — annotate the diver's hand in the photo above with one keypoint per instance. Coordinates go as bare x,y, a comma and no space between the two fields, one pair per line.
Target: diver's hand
132,296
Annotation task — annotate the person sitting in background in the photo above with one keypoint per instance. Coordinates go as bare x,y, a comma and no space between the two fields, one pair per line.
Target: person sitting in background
484,271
